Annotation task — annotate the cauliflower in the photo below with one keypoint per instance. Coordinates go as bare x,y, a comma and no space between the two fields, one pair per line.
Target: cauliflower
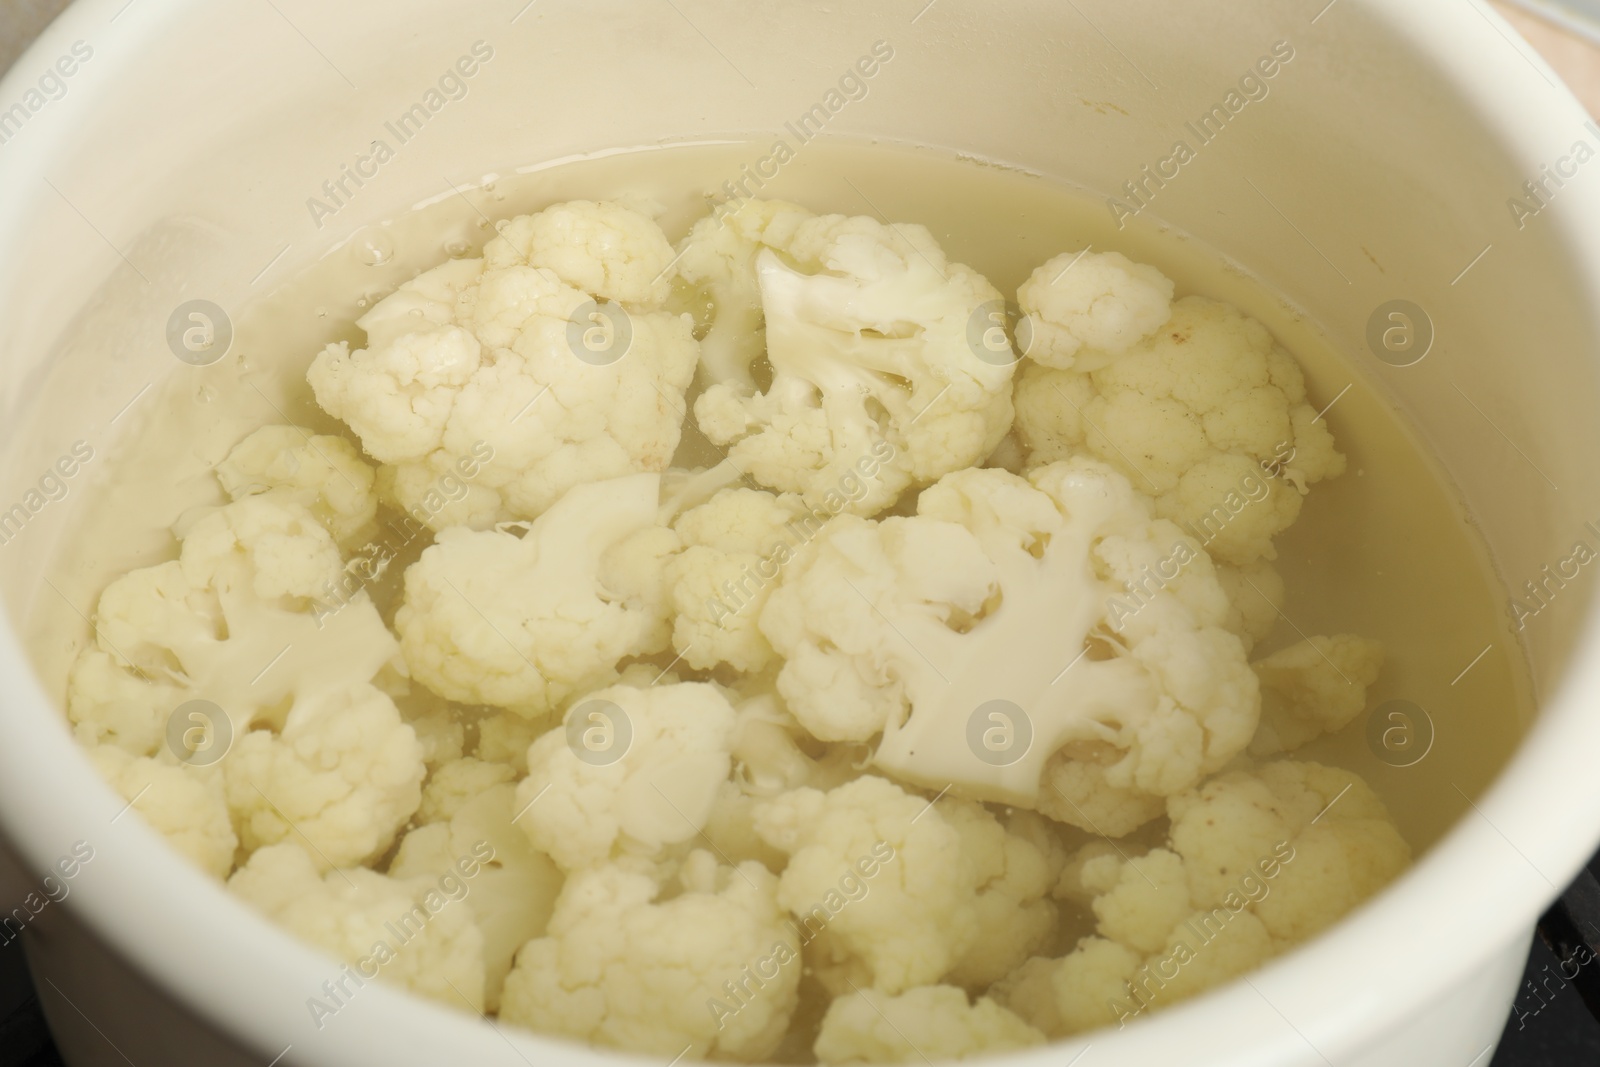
1054,616
712,971
1208,415
524,623
452,384
514,893
186,805
1255,862
875,376
409,931
1315,687
735,545
1085,308
234,620
321,473
718,261
878,879
587,801
343,776
457,783
869,1027
1015,873
1255,595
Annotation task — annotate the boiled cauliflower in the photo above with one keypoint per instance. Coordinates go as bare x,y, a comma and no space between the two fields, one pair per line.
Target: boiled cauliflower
1054,615
1085,308
410,931
632,771
525,622
186,805
1255,594
509,356
456,784
343,775
876,380
712,971
1016,862
736,545
929,1023
234,620
514,892
878,881
1315,687
1208,415
320,472
1255,862
718,262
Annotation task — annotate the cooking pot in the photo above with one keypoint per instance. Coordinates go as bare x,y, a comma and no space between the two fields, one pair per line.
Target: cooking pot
162,151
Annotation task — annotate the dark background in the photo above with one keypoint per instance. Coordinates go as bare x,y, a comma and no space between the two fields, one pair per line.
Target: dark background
1545,1030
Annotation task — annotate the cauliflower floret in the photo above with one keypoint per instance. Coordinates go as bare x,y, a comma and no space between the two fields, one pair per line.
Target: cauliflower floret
406,931
869,1027
1197,415
233,620
1255,595
511,886
1056,615
603,248
186,805
1315,687
1255,862
524,623
343,776
713,971
452,385
718,261
735,546
321,473
582,806
876,377
453,785
916,915
1016,916
1085,308
1345,845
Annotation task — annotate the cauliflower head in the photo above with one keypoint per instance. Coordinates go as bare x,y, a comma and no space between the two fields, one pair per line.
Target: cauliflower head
322,473
512,888
1046,643
505,370
713,971
586,801
878,880
717,265
1085,308
1016,863
1255,862
525,622
735,546
186,805
875,375
1208,415
1314,687
237,619
354,915
870,1027
343,775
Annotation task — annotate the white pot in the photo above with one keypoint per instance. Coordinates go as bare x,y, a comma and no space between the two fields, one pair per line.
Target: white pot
192,137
